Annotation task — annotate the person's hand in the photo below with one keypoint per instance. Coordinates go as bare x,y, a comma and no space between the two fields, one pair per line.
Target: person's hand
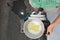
50,29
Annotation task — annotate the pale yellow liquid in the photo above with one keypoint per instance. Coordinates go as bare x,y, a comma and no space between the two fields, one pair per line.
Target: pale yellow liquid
34,27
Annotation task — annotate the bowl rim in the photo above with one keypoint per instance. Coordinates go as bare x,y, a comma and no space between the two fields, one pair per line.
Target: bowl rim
31,35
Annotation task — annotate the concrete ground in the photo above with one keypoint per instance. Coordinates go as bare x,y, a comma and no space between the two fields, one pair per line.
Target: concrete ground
10,25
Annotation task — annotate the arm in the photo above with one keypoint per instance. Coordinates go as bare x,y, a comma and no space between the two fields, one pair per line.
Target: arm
51,26
57,20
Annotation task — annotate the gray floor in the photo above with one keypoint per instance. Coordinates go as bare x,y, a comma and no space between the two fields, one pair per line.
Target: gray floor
14,33
14,28
9,25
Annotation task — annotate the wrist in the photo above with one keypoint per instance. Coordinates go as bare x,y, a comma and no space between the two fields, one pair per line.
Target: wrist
54,24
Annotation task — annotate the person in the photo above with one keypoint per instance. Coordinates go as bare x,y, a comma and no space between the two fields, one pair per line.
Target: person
48,6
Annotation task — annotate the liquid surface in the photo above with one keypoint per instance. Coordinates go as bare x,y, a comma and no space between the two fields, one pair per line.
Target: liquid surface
34,27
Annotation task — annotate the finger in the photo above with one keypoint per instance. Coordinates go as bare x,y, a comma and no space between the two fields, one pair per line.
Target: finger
48,33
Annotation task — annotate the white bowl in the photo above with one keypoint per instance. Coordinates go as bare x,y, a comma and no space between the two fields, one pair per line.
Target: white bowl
30,35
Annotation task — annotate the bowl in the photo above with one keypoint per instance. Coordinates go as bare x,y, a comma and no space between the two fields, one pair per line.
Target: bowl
32,35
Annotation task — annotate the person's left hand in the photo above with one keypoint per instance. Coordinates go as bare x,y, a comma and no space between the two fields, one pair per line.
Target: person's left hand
50,29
